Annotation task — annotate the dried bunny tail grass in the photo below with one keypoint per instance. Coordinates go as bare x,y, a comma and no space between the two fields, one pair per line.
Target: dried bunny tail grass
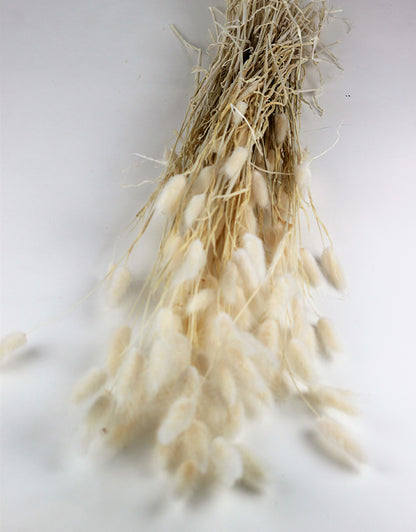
234,164
253,476
281,125
337,441
167,360
332,269
120,283
118,347
302,174
226,385
299,360
171,195
226,462
309,338
247,270
229,280
89,385
167,323
130,372
100,410
238,112
194,261
178,419
255,250
11,342
224,333
187,477
268,333
235,419
171,250
194,209
326,336
204,180
298,315
310,268
328,397
259,190
197,442
201,300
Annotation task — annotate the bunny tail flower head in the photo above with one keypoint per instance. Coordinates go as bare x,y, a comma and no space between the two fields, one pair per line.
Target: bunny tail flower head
225,323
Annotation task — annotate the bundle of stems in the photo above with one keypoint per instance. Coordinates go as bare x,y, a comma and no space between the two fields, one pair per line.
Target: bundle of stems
225,324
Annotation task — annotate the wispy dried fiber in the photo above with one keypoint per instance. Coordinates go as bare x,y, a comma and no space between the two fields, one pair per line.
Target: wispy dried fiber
225,323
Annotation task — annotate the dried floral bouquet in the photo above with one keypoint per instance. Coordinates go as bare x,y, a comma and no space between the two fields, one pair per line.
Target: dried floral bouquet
225,324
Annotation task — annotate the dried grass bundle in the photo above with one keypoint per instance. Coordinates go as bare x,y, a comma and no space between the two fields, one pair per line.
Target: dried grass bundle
224,315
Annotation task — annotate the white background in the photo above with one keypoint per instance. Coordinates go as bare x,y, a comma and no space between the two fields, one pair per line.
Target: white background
85,84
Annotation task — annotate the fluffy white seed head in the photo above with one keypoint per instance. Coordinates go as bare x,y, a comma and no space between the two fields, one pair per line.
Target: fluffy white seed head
252,387
299,359
168,358
239,112
246,269
298,315
178,419
255,250
226,385
339,439
310,268
194,262
130,373
226,461
11,342
171,194
100,410
230,278
268,333
302,174
235,162
235,419
281,293
328,397
204,179
197,444
118,347
186,477
89,385
309,339
253,473
191,382
281,128
259,190
194,209
327,336
171,250
120,283
201,300
332,269
167,323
